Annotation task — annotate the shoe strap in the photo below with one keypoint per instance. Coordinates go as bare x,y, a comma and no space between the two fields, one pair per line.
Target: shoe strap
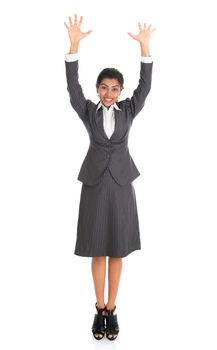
100,310
110,312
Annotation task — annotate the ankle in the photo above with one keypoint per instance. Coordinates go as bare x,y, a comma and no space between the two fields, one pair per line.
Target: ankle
100,305
110,306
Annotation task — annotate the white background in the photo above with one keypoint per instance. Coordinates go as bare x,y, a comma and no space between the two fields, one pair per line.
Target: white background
167,293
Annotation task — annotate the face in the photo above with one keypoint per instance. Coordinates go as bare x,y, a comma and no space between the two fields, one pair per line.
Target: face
109,90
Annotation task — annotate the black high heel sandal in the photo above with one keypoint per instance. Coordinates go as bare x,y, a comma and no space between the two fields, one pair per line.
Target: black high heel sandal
99,326
112,327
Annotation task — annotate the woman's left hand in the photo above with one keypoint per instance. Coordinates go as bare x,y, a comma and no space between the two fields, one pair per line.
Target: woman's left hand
144,34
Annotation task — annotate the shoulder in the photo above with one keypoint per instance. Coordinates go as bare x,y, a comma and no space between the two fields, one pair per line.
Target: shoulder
123,103
91,105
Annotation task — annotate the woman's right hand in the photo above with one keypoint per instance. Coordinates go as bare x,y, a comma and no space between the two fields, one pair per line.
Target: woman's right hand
74,31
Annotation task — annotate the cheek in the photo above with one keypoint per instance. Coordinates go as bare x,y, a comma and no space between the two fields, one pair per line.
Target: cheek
117,97
101,93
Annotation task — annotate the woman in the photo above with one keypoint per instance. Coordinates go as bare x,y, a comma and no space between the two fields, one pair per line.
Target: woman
108,221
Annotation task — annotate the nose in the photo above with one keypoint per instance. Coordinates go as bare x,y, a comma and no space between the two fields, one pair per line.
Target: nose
109,93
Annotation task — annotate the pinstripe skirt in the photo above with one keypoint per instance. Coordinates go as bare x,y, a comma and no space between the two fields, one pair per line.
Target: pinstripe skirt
108,222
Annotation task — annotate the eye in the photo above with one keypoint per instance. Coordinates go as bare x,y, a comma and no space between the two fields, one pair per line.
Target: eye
115,89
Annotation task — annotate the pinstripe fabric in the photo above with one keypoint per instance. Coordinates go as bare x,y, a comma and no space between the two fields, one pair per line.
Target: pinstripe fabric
103,151
108,222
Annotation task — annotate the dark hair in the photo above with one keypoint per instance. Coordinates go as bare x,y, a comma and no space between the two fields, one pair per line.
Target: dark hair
110,73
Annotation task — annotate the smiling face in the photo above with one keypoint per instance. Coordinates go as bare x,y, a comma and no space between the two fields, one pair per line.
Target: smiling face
109,90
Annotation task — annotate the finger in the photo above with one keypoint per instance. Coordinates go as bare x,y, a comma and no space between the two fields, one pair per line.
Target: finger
88,32
66,25
145,25
140,27
80,21
70,21
75,18
130,34
149,27
153,29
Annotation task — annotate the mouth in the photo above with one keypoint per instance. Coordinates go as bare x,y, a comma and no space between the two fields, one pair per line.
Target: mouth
108,100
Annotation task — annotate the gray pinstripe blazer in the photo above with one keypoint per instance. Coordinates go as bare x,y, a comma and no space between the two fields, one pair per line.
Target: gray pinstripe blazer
106,152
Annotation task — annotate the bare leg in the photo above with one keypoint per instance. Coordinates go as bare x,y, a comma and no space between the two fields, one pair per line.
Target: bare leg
114,274
98,268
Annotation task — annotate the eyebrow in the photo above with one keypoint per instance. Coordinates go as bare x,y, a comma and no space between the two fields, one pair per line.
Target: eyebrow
108,85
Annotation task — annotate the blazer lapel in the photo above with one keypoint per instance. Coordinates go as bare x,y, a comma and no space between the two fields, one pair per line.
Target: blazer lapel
117,123
99,122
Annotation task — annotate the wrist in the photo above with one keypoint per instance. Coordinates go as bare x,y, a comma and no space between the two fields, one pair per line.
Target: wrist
74,47
144,49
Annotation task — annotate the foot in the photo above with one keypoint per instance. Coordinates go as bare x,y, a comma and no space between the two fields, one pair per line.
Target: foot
112,327
98,327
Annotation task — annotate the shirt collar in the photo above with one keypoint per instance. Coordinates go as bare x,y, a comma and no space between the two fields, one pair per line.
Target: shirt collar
113,106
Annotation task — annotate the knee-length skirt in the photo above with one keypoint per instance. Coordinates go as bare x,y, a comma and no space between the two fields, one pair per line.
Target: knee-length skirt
108,223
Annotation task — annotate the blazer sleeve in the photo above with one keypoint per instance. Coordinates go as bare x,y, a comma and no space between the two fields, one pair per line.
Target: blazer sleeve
137,101
77,99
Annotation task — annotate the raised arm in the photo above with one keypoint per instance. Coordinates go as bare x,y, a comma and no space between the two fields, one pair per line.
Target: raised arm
77,99
137,101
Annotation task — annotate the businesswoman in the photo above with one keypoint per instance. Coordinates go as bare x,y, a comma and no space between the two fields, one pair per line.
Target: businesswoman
108,220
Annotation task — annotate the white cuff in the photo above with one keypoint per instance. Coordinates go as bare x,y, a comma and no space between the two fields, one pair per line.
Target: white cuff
146,59
71,57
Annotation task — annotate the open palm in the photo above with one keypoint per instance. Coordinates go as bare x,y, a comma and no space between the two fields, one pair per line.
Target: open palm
144,33
74,30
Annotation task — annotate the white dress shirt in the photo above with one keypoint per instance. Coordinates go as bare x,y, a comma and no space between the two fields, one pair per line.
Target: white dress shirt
108,113
109,118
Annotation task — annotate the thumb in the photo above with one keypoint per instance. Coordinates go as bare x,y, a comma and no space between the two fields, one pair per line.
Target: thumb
88,32
130,34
